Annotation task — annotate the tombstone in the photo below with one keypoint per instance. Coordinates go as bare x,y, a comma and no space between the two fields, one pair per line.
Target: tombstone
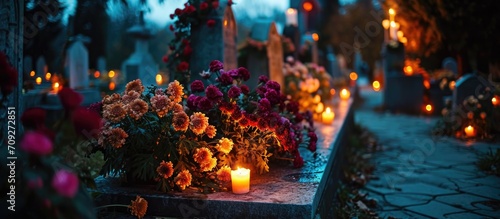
471,85
393,56
332,64
292,32
101,64
41,67
404,93
214,43
451,65
140,65
270,64
77,62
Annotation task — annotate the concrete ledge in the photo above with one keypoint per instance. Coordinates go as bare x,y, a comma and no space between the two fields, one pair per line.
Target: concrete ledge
285,192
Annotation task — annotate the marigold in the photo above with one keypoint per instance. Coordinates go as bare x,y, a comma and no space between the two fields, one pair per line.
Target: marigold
224,174
211,131
199,122
116,137
225,145
166,169
130,96
159,104
180,122
202,155
183,179
138,207
135,85
208,166
137,108
176,91
177,108
114,112
107,100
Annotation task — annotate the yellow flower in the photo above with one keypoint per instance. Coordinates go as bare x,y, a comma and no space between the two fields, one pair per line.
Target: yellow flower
159,104
130,96
180,122
199,122
176,91
107,100
208,166
135,85
224,174
183,179
138,207
202,155
166,169
225,145
211,131
137,108
114,112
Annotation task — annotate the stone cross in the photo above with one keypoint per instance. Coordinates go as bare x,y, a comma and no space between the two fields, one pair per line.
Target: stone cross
77,60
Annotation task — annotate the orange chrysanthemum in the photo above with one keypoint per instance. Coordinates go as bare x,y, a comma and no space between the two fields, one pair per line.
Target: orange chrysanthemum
137,108
159,104
114,112
180,122
211,131
225,145
183,179
107,100
224,174
199,122
138,207
202,155
175,91
130,96
135,85
208,166
165,170
177,108
116,137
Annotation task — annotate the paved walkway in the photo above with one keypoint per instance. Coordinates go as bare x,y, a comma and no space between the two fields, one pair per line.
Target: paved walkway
421,176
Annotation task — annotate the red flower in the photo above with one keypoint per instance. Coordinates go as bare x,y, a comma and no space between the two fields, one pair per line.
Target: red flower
69,98
234,92
178,11
213,93
197,86
243,73
229,3
211,23
245,89
86,123
298,161
189,9
203,6
34,118
185,42
187,50
36,143
216,65
183,66
8,75
172,16
225,78
215,4
172,28
65,183
165,58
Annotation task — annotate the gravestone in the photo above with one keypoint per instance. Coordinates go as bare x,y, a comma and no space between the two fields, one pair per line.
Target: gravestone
101,64
451,65
214,43
270,64
140,65
471,85
292,32
77,60
332,63
41,67
404,93
393,56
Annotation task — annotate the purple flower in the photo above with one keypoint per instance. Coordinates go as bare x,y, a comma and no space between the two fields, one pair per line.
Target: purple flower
244,74
234,92
204,104
192,101
264,105
263,79
293,107
261,91
36,143
273,85
213,93
233,73
225,78
197,86
272,96
216,65
245,89
65,183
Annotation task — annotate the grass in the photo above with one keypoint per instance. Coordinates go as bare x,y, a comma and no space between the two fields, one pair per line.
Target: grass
489,162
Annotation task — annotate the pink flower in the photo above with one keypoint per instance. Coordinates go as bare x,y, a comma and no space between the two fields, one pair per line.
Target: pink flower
178,11
192,101
263,79
273,85
187,50
65,183
183,66
216,65
234,92
215,4
197,86
264,105
225,78
272,96
34,118
69,98
204,104
36,143
164,59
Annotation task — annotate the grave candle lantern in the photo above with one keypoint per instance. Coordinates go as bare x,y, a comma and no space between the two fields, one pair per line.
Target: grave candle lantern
240,180
495,101
345,94
38,80
327,116
376,85
469,131
291,17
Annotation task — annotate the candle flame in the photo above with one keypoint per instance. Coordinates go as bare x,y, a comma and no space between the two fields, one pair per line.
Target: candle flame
111,74
328,110
97,74
159,79
48,76
315,37
332,91
452,85
353,76
393,24
391,11
112,85
345,94
385,24
308,6
408,70
32,73
495,101
428,107
376,85
38,80
291,11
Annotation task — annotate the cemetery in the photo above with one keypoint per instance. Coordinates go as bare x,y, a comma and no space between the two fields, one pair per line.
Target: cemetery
249,109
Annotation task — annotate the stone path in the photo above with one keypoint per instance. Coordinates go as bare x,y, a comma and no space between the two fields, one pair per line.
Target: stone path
423,176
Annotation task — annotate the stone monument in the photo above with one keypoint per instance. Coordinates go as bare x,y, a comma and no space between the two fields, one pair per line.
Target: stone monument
77,62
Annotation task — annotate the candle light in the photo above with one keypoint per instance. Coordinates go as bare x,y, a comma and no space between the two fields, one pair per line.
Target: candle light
97,74
159,79
452,85
392,13
408,70
495,101
469,131
48,76
428,108
112,85
111,74
376,85
319,108
345,94
327,116
240,180
353,76
32,73
38,80
291,17
56,87
393,31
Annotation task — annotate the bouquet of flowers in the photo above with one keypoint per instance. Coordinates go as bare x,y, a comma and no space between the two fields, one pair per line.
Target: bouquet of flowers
195,140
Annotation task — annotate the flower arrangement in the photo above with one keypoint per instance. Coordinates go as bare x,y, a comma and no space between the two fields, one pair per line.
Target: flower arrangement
194,13
309,84
194,141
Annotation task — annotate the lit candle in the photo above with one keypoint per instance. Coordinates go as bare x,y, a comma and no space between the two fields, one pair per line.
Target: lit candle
495,101
345,94
393,31
291,17
408,70
353,76
327,116
240,180
97,74
469,131
319,108
32,73
112,85
38,80
392,13
428,108
111,74
452,85
159,79
48,76
376,85
385,24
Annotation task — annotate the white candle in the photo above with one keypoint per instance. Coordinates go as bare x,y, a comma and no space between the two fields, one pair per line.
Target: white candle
469,131
393,31
291,17
327,116
240,180
345,94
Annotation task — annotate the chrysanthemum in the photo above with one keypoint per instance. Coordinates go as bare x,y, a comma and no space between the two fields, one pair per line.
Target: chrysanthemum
183,179
213,93
225,145
208,166
130,96
177,108
175,91
107,100
180,122
138,207
199,122
114,112
116,137
211,131
159,91
137,108
135,85
237,115
224,174
166,169
202,155
159,104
